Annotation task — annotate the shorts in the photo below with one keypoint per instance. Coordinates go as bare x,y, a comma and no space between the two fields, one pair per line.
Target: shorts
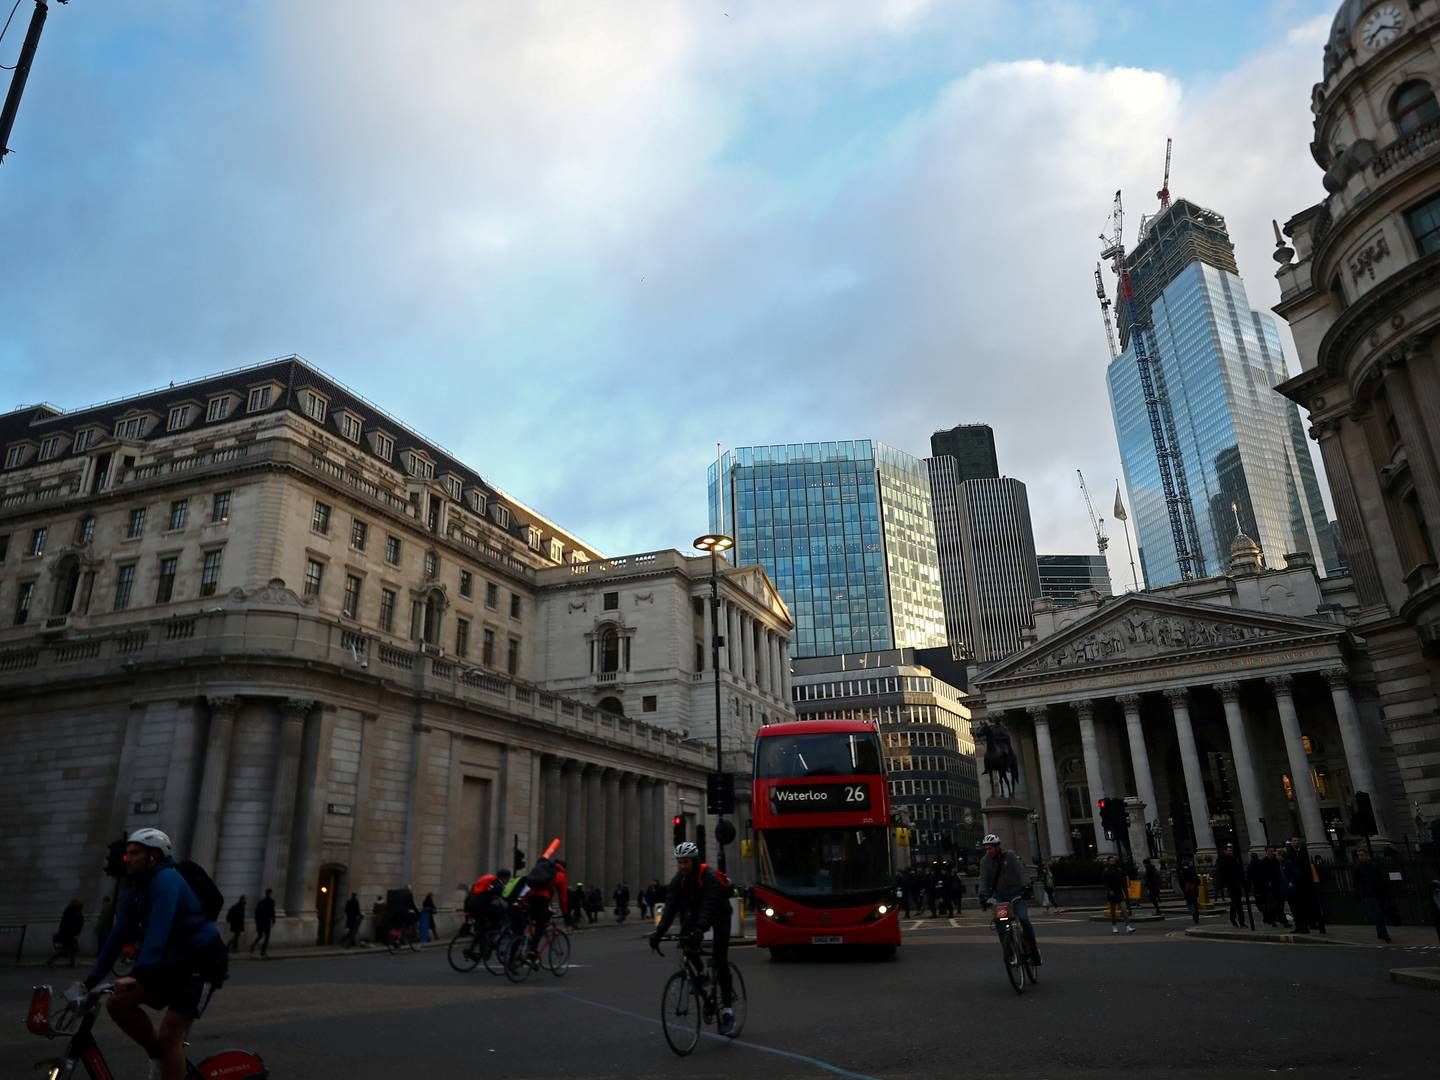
187,993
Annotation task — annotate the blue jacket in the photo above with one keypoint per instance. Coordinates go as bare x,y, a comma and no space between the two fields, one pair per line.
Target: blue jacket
163,909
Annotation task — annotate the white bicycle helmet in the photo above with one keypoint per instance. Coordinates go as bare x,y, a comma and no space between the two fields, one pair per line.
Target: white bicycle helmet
152,838
990,838
687,849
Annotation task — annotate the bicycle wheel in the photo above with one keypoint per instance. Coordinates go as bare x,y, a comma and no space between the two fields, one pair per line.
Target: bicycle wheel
1032,969
517,966
738,1005
1013,968
464,951
496,951
557,957
413,940
680,1014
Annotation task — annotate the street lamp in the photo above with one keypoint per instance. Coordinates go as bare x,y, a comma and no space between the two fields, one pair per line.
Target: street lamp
1035,829
715,543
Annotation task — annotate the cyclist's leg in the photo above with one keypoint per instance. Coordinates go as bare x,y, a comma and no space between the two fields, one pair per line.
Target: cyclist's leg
174,1027
720,948
1020,909
539,919
126,1009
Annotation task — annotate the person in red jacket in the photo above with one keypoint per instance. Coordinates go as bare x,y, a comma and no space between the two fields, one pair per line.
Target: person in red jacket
538,902
484,902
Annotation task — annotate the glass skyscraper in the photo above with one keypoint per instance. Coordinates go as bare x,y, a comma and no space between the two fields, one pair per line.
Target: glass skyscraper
845,531
1217,362
1064,577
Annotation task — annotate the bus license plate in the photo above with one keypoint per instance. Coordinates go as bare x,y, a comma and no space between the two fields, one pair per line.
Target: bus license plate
827,939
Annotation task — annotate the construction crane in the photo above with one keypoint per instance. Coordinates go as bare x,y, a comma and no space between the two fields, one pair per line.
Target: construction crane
1097,523
1105,312
1167,451
1164,193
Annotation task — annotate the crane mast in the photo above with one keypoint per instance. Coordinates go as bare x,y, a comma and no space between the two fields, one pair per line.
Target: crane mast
1164,193
1105,312
1102,541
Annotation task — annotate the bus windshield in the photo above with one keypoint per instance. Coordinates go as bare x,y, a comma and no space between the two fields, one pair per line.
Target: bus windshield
818,863
833,754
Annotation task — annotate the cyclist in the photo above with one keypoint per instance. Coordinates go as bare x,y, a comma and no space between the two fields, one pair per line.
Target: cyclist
484,903
181,961
1002,877
701,899
537,900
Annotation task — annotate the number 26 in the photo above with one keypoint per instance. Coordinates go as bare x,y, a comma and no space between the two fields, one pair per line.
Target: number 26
854,793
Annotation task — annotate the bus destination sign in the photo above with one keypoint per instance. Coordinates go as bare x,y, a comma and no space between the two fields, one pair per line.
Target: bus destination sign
819,798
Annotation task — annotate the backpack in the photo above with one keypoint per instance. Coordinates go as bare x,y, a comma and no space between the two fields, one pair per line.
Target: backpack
212,901
510,887
541,874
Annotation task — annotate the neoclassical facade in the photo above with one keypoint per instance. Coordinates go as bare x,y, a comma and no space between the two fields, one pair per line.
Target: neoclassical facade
1360,287
1238,708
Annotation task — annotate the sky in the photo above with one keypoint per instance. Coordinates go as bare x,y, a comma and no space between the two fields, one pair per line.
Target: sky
580,244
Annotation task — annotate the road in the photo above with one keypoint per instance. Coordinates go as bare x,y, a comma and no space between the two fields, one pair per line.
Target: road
1151,1004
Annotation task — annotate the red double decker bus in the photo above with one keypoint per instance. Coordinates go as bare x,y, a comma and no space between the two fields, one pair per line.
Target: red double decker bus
821,809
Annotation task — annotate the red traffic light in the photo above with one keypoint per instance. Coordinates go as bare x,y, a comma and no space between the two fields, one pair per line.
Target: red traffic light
677,820
1100,803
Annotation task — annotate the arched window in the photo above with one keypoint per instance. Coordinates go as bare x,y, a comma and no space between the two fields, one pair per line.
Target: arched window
1414,106
610,650
612,705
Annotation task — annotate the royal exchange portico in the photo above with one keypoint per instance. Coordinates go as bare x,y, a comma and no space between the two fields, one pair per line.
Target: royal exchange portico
1226,721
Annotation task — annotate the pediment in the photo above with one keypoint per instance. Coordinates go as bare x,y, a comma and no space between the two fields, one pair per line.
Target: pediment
1137,629
757,583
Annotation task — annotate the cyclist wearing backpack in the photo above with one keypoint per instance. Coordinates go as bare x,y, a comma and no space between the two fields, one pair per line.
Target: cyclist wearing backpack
484,903
545,880
182,958
700,898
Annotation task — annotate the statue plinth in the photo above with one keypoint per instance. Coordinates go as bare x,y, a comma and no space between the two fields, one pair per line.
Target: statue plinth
1009,819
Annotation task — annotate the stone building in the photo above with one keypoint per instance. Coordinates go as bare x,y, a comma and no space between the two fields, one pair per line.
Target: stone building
1360,287
258,612
1234,708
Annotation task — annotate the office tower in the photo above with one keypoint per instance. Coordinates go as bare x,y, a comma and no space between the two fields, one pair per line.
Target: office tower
1064,577
1233,440
844,530
973,448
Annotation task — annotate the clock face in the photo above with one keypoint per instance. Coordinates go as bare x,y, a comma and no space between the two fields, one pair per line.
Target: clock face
1382,26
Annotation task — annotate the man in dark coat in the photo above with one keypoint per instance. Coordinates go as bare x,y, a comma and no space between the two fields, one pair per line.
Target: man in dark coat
235,919
1268,884
1299,885
1230,875
67,938
352,920
1152,885
264,920
1371,887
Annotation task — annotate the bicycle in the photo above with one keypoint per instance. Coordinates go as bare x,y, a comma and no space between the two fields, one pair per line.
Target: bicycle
75,1021
553,954
472,946
1020,962
692,997
398,938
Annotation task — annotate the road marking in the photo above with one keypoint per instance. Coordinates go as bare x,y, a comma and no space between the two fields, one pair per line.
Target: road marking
825,1065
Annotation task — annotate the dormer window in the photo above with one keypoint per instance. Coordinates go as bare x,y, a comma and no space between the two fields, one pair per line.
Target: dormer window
416,465
179,418
218,408
557,551
314,405
83,438
500,515
50,447
577,557
132,427
15,455
350,426
532,537
477,501
260,398
383,444
454,486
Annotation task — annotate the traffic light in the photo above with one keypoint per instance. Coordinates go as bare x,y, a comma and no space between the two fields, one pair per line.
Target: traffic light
115,859
1112,816
519,859
720,793
677,829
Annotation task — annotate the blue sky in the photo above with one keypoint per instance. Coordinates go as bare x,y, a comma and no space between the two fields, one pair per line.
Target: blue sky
580,244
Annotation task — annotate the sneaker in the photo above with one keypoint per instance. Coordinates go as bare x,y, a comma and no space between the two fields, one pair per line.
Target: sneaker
727,1021
1114,929
1129,929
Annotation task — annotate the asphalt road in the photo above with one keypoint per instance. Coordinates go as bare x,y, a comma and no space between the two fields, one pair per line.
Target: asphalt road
1150,1004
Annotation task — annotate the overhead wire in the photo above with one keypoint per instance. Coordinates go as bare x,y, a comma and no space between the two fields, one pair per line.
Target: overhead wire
13,9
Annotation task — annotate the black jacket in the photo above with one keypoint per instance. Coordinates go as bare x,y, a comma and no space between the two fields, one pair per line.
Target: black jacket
265,914
1113,878
1370,881
701,901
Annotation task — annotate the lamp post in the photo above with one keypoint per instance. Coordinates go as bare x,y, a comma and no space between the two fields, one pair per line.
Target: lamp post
715,543
1035,831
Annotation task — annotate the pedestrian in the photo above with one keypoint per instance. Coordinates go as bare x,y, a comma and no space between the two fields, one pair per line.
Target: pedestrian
577,905
1190,889
957,893
1230,876
427,917
594,904
1116,894
352,920
1299,885
1152,884
1267,882
66,938
264,920
379,912
1371,889
1047,888
235,919
622,902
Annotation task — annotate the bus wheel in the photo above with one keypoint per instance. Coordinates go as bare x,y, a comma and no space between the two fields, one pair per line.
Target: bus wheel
779,954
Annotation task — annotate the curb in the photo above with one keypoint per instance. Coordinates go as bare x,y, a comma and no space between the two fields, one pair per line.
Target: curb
1136,919
1423,978
1274,939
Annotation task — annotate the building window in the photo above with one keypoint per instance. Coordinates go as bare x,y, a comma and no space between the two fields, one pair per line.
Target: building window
132,428
492,595
83,438
392,550
477,502
351,603
611,601
85,529
462,638
136,528
320,519
359,534
315,406
1424,222
22,602
314,573
467,583
418,466
532,537
502,517
210,573
557,551
179,511
384,446
512,657
487,648
387,610
220,506
124,582
1413,106
179,418
37,542
454,487
259,399
649,703
609,651
50,447
432,565
217,409
699,656
350,427
514,605
165,586
13,456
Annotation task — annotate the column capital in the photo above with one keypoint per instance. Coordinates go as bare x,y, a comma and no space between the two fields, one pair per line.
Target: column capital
1337,677
1128,702
1324,429
1177,695
297,707
1229,690
1038,712
1279,684
223,705
1085,709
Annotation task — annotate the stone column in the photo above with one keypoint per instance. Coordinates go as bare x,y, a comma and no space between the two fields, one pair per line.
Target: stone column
733,645
594,825
319,739
1401,396
776,673
1091,751
1194,778
572,842
1357,754
660,842
1347,513
787,690
1139,755
646,797
1251,800
1311,823
552,804
614,836
630,829
276,871
1422,368
762,657
1055,824
213,781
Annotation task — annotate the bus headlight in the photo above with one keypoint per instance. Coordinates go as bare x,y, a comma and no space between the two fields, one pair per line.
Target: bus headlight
769,912
883,909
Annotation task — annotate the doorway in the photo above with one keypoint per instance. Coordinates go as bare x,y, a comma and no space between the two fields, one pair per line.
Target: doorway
328,902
